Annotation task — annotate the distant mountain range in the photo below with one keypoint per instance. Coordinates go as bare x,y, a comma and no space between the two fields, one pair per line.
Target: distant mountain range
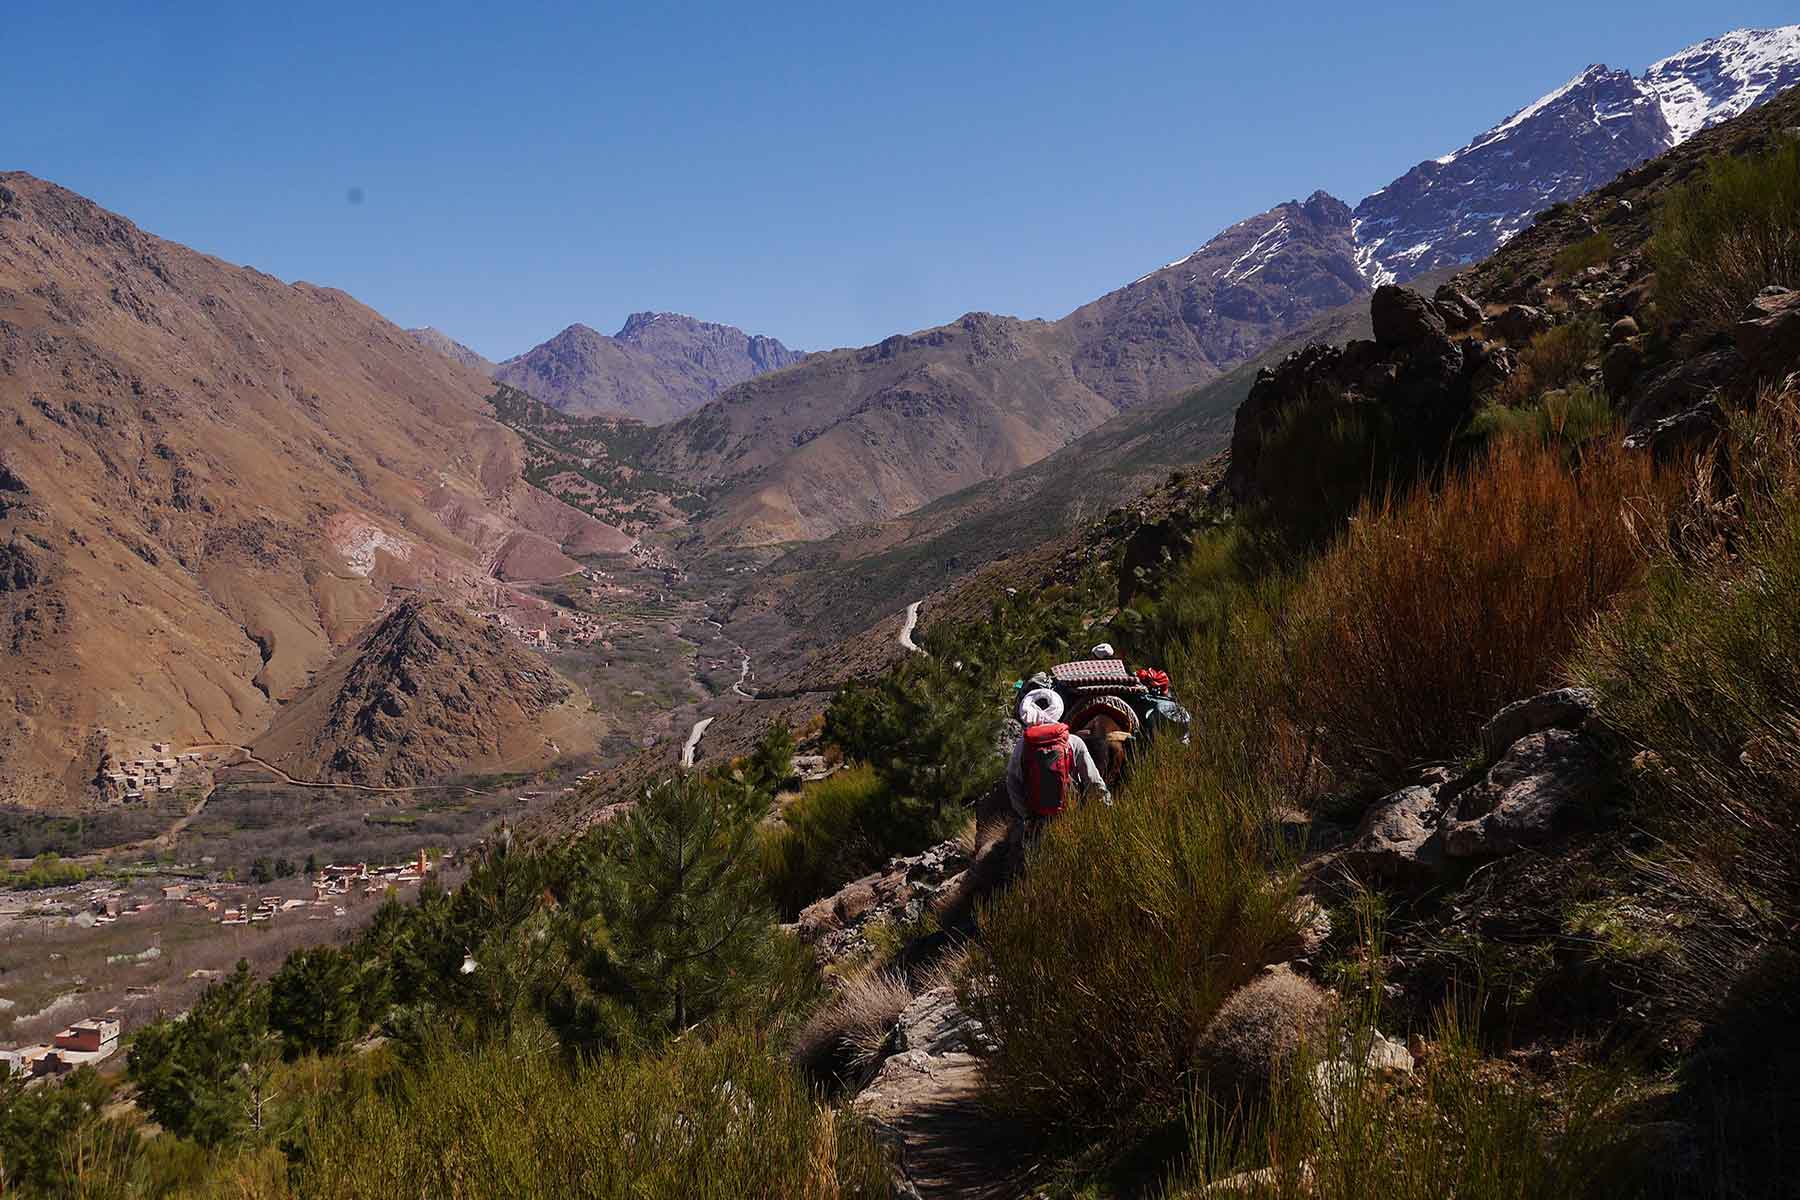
213,481
863,435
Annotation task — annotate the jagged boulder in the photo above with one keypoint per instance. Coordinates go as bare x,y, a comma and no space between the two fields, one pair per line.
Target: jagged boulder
1404,318
1540,785
1688,429
18,569
1682,385
12,488
1544,773
1619,367
1459,310
1259,1028
835,926
1422,388
935,1023
1382,1060
1564,708
1397,838
1768,334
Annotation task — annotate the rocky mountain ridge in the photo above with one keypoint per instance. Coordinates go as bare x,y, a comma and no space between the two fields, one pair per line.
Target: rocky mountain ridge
854,436
658,367
443,343
429,690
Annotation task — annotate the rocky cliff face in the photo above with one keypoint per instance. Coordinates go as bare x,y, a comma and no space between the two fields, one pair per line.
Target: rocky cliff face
658,367
1219,306
1459,208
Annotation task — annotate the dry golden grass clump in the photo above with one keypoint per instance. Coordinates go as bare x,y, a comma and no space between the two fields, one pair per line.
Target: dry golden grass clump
1434,611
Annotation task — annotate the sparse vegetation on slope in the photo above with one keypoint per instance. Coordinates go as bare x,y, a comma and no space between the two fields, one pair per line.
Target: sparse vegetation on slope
1726,235
707,1119
1110,955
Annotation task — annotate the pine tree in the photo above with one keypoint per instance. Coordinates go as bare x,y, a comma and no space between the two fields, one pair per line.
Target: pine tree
199,1076
680,926
770,766
316,1000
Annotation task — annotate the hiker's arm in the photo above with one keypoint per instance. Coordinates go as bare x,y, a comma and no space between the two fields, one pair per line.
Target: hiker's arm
1090,772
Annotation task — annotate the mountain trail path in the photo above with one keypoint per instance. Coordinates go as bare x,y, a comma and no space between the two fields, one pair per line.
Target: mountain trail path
693,741
906,630
251,759
947,1142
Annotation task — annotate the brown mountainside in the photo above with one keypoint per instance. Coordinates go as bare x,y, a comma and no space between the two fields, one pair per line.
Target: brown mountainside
853,436
211,480
658,367
430,690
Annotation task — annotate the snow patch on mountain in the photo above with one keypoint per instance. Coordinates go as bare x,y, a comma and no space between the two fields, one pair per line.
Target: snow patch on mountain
1724,77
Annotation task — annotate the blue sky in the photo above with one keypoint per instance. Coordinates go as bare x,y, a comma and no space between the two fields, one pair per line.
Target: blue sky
828,174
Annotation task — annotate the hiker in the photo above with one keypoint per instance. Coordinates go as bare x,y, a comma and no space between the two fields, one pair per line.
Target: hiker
1048,768
1159,710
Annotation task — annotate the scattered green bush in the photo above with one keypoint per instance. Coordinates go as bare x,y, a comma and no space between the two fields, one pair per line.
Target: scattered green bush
1570,415
46,870
707,1121
39,1123
668,928
1340,1130
1556,358
841,827
1703,679
1322,458
1727,235
1434,611
1591,251
201,1076
320,1001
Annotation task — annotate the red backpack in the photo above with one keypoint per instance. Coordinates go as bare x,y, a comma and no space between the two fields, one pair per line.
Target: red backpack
1049,763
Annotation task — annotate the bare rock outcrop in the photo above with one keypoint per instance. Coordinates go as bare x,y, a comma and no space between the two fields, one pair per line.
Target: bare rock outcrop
1543,774
1526,798
836,926
1768,334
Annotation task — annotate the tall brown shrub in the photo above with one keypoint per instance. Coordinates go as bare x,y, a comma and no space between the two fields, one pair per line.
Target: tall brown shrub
1434,610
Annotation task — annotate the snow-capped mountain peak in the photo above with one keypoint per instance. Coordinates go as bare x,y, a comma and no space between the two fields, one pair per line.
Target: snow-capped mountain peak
1463,205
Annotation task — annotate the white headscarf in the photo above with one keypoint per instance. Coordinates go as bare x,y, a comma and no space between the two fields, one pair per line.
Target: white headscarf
1040,706
1103,650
